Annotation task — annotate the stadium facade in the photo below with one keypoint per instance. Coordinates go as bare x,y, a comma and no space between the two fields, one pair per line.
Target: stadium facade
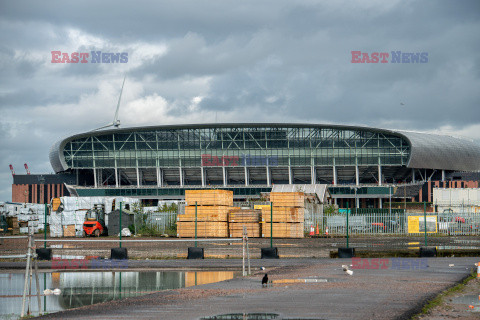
160,162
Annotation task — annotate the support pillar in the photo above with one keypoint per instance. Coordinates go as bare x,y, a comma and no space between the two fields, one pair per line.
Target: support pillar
290,180
159,177
116,178
380,175
224,173
138,178
202,175
413,175
313,174
268,176
180,171
334,175
246,175
357,176
95,178
380,204
443,175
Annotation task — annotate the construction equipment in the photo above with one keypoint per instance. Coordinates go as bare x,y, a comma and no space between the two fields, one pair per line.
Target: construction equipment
94,224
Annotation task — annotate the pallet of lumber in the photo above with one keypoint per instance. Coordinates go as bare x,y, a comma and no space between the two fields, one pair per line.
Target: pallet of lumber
239,215
236,229
284,214
69,231
205,213
283,230
186,229
209,197
288,199
13,222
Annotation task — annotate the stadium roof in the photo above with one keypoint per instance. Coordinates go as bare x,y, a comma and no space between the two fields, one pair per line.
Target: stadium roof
430,151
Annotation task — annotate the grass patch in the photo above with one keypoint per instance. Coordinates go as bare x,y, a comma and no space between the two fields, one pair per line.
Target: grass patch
438,300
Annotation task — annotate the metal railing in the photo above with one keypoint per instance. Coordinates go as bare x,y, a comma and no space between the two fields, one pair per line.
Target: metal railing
402,224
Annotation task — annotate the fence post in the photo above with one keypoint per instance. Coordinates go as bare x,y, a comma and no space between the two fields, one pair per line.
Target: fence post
425,220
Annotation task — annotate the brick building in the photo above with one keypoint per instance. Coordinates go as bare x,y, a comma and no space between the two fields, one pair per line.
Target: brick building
40,188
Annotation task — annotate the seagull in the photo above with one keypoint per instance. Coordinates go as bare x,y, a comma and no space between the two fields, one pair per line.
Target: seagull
57,292
402,104
349,272
47,292
344,267
265,280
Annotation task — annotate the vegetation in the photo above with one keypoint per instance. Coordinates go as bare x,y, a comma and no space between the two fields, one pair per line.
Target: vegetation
145,228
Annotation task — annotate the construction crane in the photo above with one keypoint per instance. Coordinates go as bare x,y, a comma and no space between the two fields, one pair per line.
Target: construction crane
26,168
13,172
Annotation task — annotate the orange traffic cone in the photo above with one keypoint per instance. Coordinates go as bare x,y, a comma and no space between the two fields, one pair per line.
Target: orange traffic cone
312,230
326,231
317,232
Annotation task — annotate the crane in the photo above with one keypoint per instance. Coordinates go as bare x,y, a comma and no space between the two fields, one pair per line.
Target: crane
26,168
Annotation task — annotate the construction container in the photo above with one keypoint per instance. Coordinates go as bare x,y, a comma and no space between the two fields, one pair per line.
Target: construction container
186,229
209,197
283,230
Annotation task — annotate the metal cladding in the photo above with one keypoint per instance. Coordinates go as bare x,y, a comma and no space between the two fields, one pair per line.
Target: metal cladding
330,145
442,152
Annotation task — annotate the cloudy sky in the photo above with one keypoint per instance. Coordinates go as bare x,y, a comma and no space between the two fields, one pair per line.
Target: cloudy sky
232,61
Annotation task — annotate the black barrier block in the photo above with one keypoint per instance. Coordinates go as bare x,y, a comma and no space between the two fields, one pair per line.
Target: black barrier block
428,252
346,252
44,253
119,254
270,253
195,253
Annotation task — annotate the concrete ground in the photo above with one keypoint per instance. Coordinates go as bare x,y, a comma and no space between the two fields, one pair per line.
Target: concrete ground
396,291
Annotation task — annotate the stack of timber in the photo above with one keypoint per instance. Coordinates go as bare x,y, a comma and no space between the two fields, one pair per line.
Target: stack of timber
13,225
287,216
238,218
212,214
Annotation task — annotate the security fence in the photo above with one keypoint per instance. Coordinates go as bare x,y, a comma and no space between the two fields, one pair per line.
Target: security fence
155,222
399,223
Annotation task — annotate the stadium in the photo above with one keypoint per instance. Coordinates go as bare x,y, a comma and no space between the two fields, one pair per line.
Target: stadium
161,162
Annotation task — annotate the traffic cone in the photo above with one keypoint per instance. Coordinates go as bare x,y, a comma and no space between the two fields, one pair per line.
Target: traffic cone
326,231
312,230
317,232
478,272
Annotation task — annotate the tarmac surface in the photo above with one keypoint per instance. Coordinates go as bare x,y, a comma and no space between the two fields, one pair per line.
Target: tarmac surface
394,288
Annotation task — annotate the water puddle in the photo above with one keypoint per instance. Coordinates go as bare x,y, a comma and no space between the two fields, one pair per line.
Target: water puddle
86,288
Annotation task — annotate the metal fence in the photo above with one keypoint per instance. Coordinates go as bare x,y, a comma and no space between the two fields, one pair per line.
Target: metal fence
402,224
160,221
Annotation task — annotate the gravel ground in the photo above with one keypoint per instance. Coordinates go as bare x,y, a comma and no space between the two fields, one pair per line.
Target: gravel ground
367,294
457,305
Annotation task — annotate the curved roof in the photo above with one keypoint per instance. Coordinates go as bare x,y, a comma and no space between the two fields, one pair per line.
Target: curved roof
429,151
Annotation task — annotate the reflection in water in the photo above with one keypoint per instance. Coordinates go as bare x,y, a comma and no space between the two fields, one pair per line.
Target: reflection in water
86,288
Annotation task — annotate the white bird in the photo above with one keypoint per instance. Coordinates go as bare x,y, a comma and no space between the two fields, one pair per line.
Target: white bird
344,267
262,268
349,272
47,292
57,292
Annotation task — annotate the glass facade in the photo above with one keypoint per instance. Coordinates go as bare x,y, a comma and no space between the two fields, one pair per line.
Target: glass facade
235,147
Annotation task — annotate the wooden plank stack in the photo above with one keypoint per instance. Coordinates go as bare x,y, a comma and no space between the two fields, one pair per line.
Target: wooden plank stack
238,218
212,214
287,217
